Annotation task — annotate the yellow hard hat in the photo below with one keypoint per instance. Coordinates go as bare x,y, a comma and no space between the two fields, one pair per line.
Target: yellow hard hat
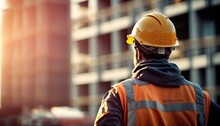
154,29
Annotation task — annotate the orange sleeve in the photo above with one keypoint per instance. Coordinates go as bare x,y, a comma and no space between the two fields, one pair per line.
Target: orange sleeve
112,110
207,101
123,98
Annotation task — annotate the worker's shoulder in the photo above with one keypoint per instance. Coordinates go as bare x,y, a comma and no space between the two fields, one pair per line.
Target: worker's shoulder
124,83
190,83
132,81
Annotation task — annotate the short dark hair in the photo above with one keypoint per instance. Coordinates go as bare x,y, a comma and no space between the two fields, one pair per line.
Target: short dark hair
152,52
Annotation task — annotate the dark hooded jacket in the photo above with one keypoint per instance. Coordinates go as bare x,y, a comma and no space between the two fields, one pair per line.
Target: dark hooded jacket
158,72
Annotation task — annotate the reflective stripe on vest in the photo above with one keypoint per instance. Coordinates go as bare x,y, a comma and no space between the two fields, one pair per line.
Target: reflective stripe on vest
133,105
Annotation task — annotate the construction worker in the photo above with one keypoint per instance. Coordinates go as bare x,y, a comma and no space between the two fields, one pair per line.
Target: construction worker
156,94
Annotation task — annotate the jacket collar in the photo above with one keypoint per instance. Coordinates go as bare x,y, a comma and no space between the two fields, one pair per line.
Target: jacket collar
158,72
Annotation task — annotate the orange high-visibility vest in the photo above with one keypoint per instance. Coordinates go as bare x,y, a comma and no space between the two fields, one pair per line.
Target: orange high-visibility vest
145,104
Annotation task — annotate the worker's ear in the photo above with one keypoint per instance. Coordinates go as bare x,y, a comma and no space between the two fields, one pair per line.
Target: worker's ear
139,55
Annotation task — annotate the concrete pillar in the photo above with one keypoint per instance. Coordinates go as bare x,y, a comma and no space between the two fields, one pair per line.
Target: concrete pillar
93,87
208,29
93,52
115,35
193,35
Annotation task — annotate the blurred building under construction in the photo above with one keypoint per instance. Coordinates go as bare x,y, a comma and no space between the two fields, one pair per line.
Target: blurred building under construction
35,56
70,52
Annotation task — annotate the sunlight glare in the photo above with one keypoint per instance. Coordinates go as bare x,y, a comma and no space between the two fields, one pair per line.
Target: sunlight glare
2,7
0,51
